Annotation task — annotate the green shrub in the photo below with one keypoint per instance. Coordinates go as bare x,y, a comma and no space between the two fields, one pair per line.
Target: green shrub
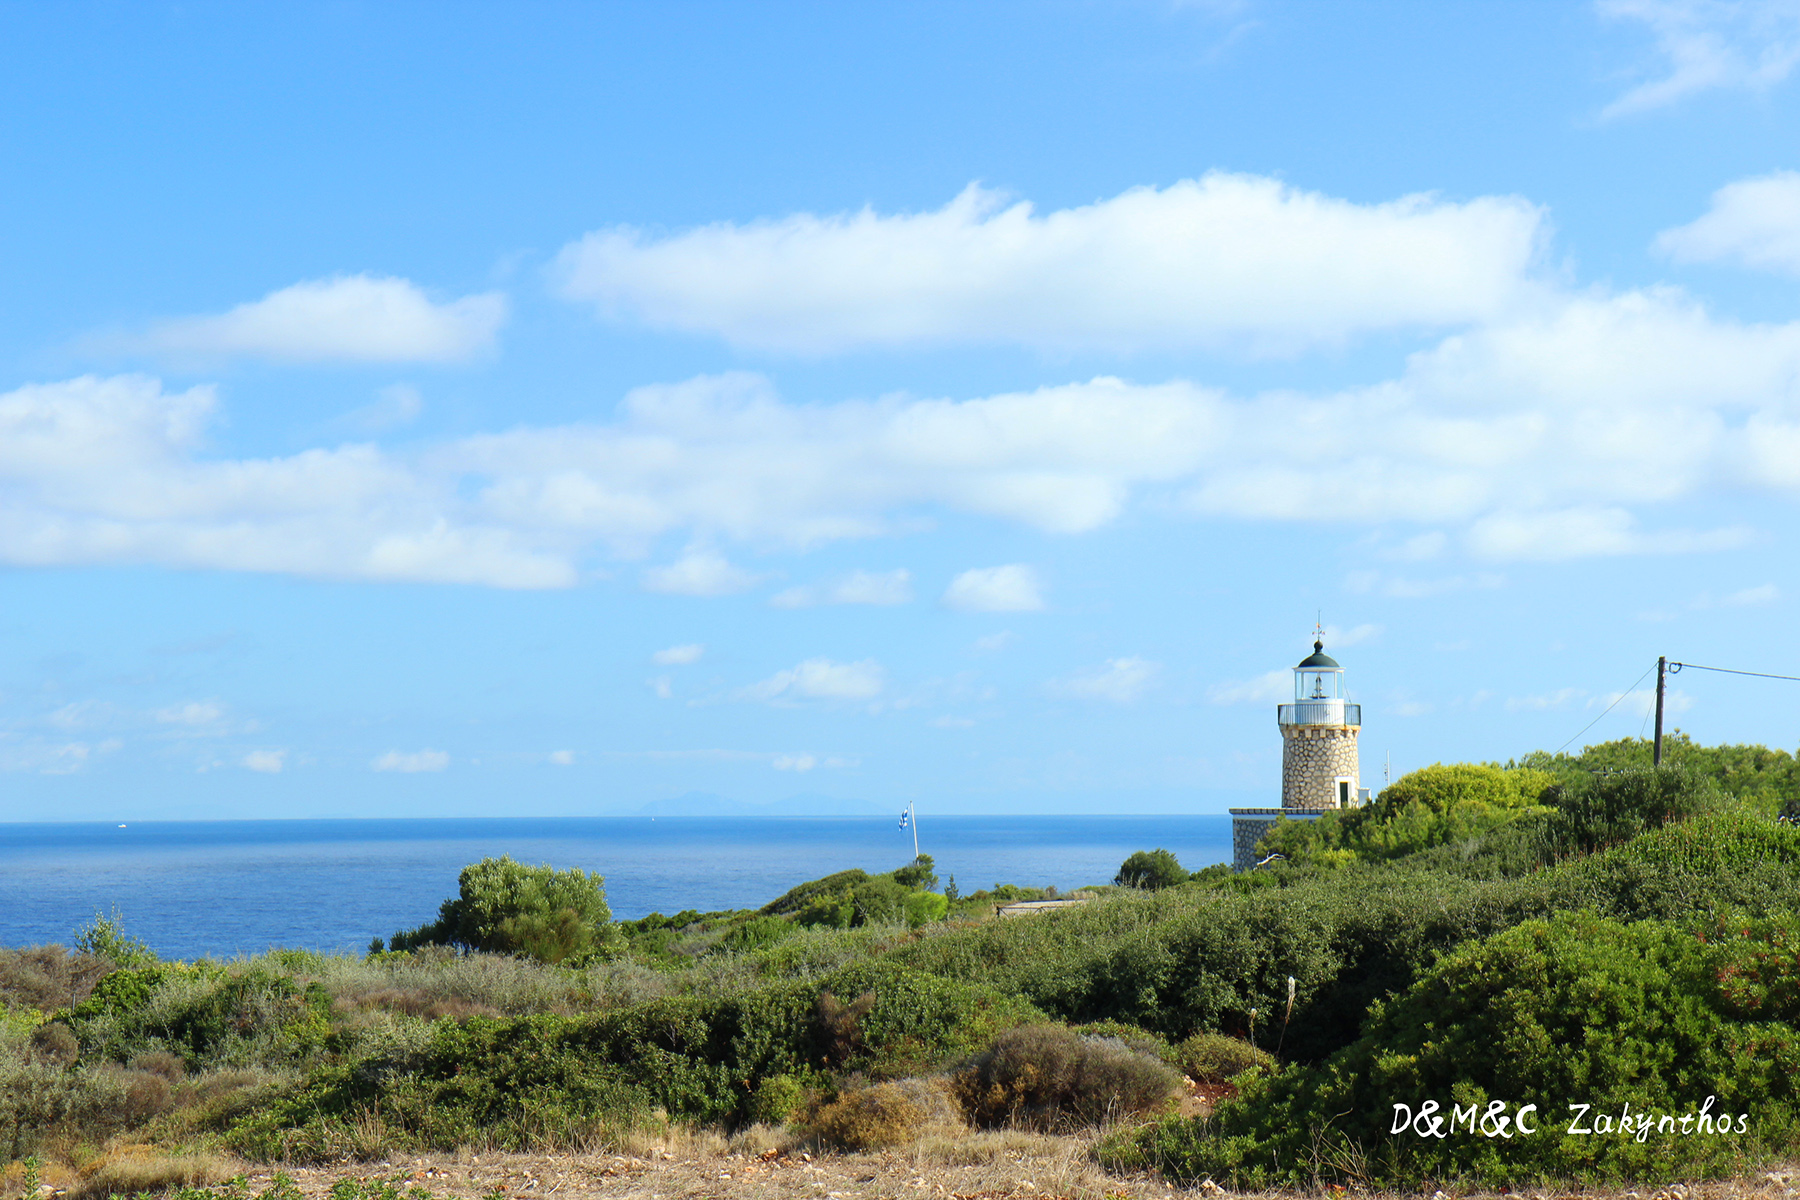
871,1118
104,937
1150,869
776,1099
922,908
756,933
1439,805
1142,1041
206,1015
1595,812
547,1082
797,898
1214,1058
1050,1077
1577,1009
506,907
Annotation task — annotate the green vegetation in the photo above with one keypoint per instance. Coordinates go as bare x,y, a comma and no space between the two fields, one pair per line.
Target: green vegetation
1574,930
1150,869
504,907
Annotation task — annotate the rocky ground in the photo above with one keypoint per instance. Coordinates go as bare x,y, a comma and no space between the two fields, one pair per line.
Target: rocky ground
977,1167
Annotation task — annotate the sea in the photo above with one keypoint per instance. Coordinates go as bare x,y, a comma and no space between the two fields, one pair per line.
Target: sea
221,889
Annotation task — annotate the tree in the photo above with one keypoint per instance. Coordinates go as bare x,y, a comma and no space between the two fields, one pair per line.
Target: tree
506,907
918,874
1151,869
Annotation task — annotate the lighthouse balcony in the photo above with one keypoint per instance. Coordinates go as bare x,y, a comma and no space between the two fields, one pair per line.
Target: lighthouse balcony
1319,712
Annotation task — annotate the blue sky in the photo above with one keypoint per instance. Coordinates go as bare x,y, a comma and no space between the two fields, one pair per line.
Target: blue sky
547,409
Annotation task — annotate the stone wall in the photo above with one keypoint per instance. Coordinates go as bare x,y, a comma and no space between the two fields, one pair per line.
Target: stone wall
1312,757
1247,828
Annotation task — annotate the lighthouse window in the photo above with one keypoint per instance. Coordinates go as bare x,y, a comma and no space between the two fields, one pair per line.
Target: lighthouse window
1343,793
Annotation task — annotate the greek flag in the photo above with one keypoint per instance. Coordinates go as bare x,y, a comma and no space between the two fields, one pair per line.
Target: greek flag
905,817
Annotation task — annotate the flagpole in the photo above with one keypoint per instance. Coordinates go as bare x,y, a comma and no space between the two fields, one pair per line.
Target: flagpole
915,829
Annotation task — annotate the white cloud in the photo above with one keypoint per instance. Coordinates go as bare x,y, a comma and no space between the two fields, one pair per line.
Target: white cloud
1706,44
679,656
269,762
395,405
1767,593
1753,222
1642,702
1576,427
993,643
109,471
1417,589
1271,687
347,318
193,714
1227,259
53,758
562,758
1014,587
859,587
1587,532
411,762
794,762
1561,698
1335,635
1118,680
662,686
699,573
820,679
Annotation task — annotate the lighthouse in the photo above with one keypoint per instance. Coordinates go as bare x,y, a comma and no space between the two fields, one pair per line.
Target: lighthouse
1318,754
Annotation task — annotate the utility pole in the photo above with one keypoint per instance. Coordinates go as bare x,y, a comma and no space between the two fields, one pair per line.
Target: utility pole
1662,671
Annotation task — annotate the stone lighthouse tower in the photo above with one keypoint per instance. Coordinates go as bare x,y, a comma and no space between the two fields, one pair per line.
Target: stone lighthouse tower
1318,755
1318,738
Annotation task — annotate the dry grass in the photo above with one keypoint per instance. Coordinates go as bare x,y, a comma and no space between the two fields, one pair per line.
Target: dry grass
131,1170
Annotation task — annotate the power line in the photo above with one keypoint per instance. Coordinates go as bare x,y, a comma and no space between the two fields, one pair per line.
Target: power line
1675,666
1609,708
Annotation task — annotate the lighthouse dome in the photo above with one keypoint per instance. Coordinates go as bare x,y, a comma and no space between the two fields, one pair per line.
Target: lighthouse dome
1318,658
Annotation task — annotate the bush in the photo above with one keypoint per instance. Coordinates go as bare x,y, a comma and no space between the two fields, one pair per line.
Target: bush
104,937
506,907
1050,1077
1577,1009
550,1082
54,1043
776,1099
922,908
871,1118
1214,1058
162,1063
797,898
1439,805
1595,812
1150,869
49,977
840,1025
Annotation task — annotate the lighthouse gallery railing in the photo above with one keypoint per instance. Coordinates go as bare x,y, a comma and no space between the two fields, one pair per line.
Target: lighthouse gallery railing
1319,712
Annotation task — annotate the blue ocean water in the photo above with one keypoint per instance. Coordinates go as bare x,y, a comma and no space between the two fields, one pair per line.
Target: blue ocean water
223,888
